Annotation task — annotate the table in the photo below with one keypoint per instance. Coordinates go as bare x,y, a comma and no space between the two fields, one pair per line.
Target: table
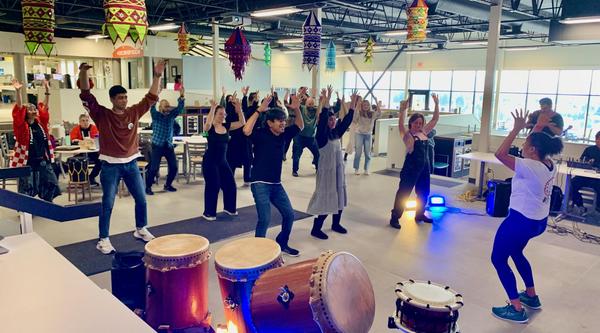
42,292
70,153
570,172
483,158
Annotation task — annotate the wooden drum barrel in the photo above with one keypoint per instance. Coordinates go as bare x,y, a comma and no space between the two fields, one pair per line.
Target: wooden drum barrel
329,294
177,281
238,264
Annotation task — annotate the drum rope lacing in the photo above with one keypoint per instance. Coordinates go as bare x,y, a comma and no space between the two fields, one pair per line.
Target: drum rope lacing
319,268
239,275
165,264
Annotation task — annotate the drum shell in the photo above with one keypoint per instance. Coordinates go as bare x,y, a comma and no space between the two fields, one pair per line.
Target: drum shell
240,293
422,320
178,298
268,315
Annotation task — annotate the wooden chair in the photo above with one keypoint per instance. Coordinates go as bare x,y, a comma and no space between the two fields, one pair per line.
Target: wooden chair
5,154
195,154
78,180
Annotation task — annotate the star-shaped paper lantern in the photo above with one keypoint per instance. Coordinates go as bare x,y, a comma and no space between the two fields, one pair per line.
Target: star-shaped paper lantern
239,51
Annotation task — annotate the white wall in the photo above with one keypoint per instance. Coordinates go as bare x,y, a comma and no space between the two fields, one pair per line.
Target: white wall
287,72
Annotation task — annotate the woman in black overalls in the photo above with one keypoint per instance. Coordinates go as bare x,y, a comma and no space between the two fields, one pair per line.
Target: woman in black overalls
415,171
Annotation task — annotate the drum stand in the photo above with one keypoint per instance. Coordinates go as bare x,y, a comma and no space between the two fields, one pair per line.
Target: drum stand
394,323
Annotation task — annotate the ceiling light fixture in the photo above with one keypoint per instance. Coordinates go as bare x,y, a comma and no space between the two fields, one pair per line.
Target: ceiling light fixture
275,12
291,41
417,52
474,42
345,55
524,48
580,20
96,36
164,27
396,33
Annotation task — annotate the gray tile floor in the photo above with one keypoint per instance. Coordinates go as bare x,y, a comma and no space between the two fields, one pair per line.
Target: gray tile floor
453,251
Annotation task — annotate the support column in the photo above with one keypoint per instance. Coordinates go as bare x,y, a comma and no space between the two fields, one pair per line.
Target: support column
148,71
20,73
316,71
490,72
216,79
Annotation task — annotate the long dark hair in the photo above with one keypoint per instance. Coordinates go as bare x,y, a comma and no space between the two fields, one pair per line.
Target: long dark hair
545,145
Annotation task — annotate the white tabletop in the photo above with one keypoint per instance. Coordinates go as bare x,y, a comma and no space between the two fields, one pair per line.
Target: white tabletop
563,169
479,156
190,139
42,292
73,152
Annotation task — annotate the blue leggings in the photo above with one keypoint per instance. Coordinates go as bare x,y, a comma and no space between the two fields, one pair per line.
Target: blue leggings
511,239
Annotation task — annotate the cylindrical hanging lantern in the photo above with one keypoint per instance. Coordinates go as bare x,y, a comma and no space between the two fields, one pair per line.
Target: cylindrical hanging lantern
238,50
330,61
268,54
312,41
183,41
417,21
369,50
38,25
125,18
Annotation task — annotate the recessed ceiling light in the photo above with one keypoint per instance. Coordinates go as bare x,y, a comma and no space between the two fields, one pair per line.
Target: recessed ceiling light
580,20
291,41
96,36
163,27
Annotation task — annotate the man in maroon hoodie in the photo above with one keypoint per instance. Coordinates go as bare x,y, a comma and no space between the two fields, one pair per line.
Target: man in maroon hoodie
119,150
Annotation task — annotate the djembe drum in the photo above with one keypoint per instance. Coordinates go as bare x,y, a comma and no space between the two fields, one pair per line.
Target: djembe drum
239,264
177,282
329,294
426,307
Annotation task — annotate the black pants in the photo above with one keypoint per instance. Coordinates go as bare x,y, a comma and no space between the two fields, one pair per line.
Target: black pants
417,178
579,182
431,153
301,142
41,182
246,165
288,143
157,153
318,223
218,176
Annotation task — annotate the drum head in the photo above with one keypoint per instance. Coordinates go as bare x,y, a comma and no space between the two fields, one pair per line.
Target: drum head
247,253
429,295
342,298
174,246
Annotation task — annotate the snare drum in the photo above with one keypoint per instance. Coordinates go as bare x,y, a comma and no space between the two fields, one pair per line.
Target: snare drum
427,307
239,264
177,281
329,294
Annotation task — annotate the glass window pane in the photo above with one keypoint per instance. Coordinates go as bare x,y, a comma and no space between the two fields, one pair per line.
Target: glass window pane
396,97
384,97
480,84
543,82
462,102
441,80
347,94
573,110
398,79
419,80
349,80
463,80
514,81
367,76
478,105
507,104
575,82
594,118
363,92
533,101
444,101
384,82
596,83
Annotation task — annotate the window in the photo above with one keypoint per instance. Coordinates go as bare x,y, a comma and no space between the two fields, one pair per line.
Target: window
480,81
575,82
419,80
462,102
367,77
349,80
543,82
533,101
593,117
596,83
463,81
383,96
399,80
384,82
514,81
573,109
396,96
441,81
508,102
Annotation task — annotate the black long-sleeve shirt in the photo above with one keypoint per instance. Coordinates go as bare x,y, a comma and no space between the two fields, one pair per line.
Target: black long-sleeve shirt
592,153
324,133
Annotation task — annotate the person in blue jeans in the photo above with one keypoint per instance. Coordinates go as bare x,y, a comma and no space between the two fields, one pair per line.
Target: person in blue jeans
365,122
268,146
528,215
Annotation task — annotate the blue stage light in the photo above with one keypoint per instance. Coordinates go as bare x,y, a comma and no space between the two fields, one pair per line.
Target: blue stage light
437,201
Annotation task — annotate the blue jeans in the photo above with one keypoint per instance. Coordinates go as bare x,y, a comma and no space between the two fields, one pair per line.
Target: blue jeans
363,142
510,241
109,178
301,142
264,196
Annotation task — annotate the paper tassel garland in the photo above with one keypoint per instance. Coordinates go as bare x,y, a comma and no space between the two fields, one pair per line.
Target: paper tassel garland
330,61
417,21
369,50
183,41
125,18
239,50
268,54
312,41
38,25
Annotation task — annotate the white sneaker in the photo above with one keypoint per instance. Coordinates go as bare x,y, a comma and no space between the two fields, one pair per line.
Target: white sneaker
209,218
367,172
105,246
143,234
230,213
356,172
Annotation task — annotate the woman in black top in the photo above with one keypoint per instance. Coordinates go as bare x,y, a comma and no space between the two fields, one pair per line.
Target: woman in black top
215,169
415,171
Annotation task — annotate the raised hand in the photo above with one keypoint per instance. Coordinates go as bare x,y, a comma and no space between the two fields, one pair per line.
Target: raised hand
213,104
159,68
265,103
520,118
236,103
223,91
272,90
182,92
404,105
329,91
379,104
18,85
84,66
436,98
46,85
295,103
245,90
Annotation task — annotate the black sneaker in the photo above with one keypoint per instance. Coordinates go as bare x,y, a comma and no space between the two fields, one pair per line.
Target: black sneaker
289,251
339,228
169,188
423,218
94,183
319,234
295,173
149,191
394,223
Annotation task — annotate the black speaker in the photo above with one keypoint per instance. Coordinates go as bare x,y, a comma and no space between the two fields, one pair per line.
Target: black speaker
498,198
128,278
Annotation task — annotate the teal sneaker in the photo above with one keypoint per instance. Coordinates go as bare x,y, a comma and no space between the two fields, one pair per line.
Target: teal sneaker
530,302
509,313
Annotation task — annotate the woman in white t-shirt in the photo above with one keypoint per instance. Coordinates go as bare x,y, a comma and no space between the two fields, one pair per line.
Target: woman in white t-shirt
529,209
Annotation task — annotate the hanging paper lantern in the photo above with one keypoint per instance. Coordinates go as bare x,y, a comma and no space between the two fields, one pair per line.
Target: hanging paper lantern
238,50
417,21
268,54
330,61
369,50
38,25
125,18
312,41
183,41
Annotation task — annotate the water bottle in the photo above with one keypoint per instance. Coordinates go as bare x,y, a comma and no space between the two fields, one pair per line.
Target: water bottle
67,140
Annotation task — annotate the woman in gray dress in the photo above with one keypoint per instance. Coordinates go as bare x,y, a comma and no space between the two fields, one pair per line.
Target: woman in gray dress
330,192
